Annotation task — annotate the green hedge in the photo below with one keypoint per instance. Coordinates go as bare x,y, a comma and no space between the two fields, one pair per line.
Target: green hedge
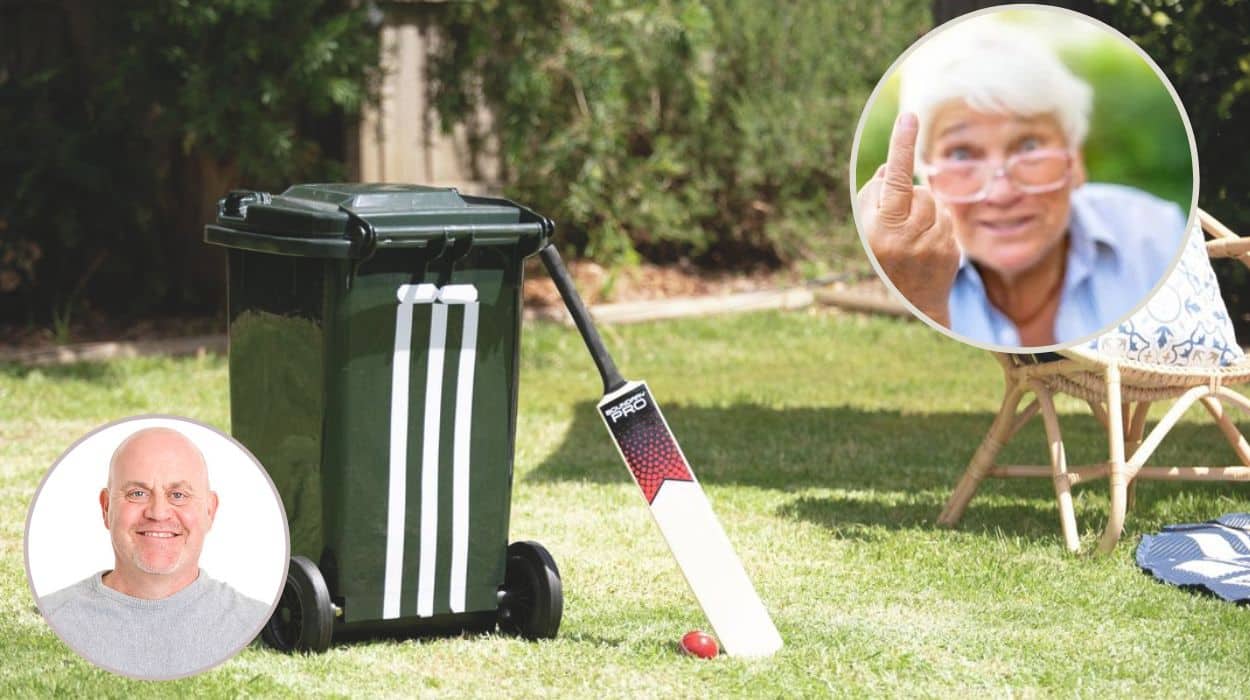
719,130
1204,48
120,118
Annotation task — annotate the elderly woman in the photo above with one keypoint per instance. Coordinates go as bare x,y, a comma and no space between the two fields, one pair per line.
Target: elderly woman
1004,243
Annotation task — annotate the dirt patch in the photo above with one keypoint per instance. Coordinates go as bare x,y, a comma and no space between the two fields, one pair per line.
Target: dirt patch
597,285
96,328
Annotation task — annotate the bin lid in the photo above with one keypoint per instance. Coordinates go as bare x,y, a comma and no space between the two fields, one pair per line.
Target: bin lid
334,220
323,209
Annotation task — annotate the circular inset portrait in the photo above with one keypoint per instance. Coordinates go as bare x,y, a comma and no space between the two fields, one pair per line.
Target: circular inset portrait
1023,177
156,547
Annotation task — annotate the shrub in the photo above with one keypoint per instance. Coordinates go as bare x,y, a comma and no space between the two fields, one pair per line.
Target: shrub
121,119
717,129
1202,46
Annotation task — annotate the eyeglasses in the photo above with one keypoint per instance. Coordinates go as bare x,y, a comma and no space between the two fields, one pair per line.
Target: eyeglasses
1031,172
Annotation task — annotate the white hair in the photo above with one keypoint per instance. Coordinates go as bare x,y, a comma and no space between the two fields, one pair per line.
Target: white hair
997,69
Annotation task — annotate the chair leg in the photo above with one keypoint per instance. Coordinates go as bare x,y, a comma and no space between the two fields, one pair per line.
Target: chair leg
1059,468
983,459
1235,439
1117,470
1135,429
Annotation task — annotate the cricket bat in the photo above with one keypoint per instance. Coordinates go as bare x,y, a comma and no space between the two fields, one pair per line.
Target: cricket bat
680,508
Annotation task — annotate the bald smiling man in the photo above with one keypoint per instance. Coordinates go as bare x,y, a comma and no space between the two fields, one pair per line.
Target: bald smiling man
155,614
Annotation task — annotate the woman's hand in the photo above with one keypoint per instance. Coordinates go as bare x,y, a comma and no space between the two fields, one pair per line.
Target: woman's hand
909,232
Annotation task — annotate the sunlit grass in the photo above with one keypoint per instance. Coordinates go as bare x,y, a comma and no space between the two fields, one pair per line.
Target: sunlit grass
827,444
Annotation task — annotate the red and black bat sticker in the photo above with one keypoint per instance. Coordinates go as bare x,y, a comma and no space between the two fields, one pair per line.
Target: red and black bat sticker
648,446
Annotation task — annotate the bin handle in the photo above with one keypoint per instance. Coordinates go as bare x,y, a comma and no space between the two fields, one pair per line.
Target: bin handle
361,234
363,241
234,204
457,246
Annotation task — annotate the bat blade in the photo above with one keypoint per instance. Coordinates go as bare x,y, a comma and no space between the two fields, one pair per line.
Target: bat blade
686,520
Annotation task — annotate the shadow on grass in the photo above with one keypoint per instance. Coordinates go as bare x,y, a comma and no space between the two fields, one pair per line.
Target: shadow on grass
892,469
863,518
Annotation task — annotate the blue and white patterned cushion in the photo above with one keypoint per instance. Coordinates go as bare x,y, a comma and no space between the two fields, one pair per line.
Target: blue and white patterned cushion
1185,322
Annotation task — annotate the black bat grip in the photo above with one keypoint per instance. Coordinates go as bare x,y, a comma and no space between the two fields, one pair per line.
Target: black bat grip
612,379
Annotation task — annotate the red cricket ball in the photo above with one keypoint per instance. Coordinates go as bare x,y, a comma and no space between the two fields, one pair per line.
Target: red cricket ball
700,644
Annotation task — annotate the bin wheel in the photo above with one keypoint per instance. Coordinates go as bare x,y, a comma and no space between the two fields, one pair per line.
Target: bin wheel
533,598
304,618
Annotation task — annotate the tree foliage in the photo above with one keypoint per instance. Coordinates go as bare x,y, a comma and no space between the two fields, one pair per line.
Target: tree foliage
1204,48
138,101
713,128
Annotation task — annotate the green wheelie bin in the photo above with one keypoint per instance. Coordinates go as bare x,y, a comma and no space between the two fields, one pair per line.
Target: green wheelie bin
373,370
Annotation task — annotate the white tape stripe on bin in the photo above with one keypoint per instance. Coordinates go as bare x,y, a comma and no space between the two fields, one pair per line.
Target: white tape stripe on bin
429,461
396,506
464,295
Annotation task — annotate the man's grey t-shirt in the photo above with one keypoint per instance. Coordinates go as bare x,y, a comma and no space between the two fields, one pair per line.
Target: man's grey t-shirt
196,628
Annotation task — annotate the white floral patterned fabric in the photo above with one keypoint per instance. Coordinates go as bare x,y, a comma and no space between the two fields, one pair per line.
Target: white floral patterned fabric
1185,323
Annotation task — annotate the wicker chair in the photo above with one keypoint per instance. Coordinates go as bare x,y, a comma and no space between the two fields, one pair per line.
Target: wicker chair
1120,393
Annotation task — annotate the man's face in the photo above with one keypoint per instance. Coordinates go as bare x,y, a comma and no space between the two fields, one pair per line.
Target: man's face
1010,230
157,506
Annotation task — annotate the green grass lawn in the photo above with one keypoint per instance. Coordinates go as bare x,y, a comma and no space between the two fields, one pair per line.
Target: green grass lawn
827,444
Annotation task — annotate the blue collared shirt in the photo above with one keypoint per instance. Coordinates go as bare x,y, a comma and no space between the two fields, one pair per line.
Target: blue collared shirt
1121,243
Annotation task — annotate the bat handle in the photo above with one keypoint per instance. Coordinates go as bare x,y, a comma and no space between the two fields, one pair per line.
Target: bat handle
612,379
